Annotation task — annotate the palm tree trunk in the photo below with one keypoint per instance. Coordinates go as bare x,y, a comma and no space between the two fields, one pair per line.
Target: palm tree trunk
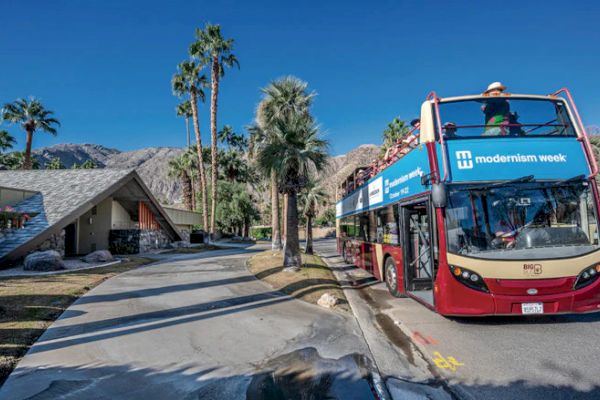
27,164
275,231
202,176
186,184
292,259
187,131
214,93
284,217
309,235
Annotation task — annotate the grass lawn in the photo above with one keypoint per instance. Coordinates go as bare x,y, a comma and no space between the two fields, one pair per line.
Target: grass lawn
29,304
309,284
193,250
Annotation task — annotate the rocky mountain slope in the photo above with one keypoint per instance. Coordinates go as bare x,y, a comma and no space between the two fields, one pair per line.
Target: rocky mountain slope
152,165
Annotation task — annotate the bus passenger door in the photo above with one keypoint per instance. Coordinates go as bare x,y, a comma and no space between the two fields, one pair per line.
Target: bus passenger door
418,250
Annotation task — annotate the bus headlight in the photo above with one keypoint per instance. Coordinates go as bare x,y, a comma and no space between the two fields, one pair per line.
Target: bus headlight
587,276
469,278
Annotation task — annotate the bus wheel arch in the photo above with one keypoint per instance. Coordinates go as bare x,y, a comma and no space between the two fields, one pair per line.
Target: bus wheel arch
390,276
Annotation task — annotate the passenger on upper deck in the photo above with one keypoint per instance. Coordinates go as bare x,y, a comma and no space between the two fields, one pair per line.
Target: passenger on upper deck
496,110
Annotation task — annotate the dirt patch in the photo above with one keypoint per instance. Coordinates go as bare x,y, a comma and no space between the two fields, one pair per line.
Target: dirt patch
29,304
313,280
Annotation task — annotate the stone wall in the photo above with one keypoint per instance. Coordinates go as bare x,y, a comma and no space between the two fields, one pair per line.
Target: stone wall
153,239
54,242
124,241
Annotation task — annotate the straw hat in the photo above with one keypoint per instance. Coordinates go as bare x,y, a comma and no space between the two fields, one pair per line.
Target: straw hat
495,86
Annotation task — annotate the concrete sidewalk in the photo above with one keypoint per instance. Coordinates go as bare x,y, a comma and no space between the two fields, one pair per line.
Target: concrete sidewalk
194,327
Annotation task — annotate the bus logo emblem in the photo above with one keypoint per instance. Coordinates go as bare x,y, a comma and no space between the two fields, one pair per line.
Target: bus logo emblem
464,159
532,269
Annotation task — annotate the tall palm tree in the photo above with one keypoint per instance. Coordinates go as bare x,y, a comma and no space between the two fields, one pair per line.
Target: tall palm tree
33,116
211,48
282,99
190,161
178,167
294,150
55,163
184,110
312,196
6,141
189,81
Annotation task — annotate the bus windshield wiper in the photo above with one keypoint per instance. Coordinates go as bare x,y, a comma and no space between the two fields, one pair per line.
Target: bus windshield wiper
573,179
523,179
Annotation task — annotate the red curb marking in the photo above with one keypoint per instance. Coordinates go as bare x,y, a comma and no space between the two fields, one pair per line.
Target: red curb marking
424,340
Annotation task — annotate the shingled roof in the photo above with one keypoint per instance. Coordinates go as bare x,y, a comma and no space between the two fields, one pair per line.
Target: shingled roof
64,195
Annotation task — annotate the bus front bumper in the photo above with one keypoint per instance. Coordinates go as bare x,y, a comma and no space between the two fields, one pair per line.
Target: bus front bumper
567,301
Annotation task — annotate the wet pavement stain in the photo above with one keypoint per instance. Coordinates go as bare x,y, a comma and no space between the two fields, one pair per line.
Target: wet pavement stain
396,336
305,375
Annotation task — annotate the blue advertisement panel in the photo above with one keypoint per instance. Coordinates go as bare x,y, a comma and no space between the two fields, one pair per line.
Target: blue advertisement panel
400,180
510,158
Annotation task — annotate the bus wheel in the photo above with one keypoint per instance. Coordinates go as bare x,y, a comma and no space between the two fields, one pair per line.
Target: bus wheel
391,277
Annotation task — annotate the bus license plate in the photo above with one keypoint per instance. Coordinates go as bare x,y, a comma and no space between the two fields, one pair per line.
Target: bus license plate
532,308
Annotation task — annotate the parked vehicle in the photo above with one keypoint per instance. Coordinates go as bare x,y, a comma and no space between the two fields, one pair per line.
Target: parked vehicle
476,213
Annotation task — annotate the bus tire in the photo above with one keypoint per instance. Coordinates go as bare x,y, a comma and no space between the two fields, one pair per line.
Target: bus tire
391,277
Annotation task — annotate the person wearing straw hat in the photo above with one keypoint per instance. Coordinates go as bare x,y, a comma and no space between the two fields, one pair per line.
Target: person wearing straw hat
496,110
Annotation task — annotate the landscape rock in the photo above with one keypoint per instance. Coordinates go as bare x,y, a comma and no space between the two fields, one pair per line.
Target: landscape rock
98,256
49,260
328,300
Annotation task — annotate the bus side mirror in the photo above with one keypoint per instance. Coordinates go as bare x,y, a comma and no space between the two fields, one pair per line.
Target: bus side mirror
439,197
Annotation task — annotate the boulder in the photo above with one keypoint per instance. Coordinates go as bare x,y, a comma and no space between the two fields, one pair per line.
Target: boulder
98,256
49,260
328,300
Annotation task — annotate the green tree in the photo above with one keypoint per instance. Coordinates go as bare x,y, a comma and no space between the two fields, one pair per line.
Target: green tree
394,131
213,49
180,169
312,196
184,110
6,141
55,163
295,149
232,140
88,164
283,98
189,81
236,209
16,160
32,116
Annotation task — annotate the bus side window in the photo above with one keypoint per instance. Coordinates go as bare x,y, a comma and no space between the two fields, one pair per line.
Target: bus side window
387,225
363,226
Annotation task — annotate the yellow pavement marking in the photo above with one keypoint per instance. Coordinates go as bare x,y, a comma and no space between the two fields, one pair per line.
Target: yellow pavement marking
448,362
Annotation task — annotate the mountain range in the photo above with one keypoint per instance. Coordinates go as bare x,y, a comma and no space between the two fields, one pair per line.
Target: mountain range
152,165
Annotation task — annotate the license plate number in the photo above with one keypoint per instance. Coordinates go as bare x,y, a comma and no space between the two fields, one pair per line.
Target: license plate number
532,308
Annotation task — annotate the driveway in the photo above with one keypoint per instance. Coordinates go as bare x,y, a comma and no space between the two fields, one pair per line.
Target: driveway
543,357
194,327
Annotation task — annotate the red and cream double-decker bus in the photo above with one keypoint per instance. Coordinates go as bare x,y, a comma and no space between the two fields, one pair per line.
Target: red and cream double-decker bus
488,206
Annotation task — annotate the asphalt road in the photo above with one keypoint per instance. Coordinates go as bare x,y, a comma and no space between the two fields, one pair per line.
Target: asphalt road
194,327
544,357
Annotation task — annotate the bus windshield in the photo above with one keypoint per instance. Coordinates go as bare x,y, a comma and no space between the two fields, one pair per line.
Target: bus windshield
504,116
522,221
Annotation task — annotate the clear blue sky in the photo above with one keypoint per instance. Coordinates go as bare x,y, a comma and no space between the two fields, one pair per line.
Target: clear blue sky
105,67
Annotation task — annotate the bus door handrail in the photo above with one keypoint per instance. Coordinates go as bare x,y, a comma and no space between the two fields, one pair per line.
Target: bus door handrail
589,153
432,96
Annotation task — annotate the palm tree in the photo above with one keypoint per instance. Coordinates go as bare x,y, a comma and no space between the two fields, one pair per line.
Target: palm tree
313,196
394,131
233,140
32,116
294,150
55,163
6,141
184,110
189,81
89,164
211,48
179,168
282,98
